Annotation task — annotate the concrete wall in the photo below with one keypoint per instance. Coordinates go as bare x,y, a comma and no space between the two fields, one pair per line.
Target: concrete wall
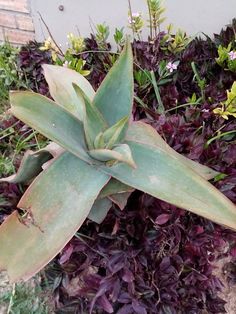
16,23
63,16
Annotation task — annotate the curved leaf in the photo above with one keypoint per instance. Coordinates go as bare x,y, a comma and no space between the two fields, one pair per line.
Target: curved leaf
120,199
51,120
114,98
113,192
60,81
114,187
143,133
99,141
99,210
93,120
102,206
33,163
54,214
120,153
116,133
164,176
30,167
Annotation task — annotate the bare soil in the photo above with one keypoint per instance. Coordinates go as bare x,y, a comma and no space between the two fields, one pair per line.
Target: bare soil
229,291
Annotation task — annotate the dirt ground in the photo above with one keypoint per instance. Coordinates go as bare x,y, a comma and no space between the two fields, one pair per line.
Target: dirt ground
4,287
229,291
39,301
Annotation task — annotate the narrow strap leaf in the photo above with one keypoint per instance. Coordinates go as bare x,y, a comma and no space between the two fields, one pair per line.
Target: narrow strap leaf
120,199
116,133
51,120
114,187
120,153
54,212
30,167
143,133
60,81
100,210
114,98
93,120
99,141
164,176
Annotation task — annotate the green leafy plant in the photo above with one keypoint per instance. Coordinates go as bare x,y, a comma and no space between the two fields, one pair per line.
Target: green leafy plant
119,36
76,44
99,156
174,43
155,10
74,63
136,23
201,82
50,45
102,35
227,58
228,107
144,78
26,298
10,77
70,58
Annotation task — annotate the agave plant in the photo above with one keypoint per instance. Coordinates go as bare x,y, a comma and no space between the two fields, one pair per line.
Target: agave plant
98,155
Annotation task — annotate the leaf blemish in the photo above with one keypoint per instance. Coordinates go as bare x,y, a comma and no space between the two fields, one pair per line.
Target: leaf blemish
154,179
27,220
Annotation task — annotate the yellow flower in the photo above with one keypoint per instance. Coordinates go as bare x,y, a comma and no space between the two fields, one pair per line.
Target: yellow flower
49,44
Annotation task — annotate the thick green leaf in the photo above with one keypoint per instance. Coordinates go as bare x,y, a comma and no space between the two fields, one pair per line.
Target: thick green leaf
102,206
114,191
57,203
33,163
114,98
99,141
143,133
60,81
30,167
113,187
116,133
165,176
120,199
93,120
51,120
54,149
99,210
120,153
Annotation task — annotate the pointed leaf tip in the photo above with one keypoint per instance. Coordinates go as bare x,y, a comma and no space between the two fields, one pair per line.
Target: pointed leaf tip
116,133
121,153
114,98
60,81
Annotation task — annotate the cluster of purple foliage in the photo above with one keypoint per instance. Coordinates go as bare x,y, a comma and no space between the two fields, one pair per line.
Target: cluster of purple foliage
150,258
30,61
153,257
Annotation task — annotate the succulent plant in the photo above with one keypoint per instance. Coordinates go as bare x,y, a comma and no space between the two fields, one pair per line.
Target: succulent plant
98,156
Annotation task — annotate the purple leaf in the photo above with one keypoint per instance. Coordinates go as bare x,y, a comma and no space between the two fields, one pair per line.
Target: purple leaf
66,254
105,304
138,308
127,275
162,219
126,309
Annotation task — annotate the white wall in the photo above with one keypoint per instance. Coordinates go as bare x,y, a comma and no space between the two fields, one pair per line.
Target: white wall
193,16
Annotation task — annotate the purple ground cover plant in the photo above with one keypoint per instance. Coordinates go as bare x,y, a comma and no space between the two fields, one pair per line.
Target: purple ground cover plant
151,257
29,62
